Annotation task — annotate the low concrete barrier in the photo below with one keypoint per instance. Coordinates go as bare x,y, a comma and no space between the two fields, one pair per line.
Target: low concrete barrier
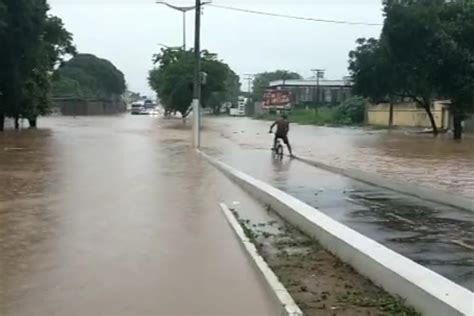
429,194
429,292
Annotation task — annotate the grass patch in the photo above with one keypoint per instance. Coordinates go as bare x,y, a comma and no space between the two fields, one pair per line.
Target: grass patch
351,112
388,304
324,116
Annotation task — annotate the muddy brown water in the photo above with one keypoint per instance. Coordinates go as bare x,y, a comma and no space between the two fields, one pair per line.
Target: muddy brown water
117,216
422,159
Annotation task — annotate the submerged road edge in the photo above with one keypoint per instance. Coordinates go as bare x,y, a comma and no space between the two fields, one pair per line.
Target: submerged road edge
281,295
427,291
418,191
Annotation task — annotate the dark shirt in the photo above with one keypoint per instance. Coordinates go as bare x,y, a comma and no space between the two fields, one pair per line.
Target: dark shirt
283,126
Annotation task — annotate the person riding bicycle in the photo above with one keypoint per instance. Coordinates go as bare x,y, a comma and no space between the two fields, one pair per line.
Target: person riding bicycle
283,127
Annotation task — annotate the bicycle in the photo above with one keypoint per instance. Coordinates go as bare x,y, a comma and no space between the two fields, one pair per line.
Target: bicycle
278,151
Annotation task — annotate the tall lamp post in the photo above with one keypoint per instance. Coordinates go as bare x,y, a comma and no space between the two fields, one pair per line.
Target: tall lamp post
182,10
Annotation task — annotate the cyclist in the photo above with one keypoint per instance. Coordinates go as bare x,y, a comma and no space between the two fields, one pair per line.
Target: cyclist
283,127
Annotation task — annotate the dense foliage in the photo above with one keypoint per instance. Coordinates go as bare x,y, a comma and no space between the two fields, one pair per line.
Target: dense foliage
88,77
172,80
426,51
32,43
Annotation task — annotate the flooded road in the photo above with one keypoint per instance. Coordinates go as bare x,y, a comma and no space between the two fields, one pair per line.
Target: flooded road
433,162
436,236
117,216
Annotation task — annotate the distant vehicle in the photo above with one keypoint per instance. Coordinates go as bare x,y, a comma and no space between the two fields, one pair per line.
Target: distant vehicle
241,107
146,107
137,107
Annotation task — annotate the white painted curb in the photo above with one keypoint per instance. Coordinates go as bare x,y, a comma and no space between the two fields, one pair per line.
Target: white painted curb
421,192
286,303
429,292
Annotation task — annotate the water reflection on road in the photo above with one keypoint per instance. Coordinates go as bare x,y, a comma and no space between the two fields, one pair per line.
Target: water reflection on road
437,162
436,236
116,216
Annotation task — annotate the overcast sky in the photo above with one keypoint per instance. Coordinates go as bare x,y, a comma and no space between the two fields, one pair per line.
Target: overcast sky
127,32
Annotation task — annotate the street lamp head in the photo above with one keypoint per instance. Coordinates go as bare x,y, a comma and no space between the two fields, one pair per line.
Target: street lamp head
169,47
182,9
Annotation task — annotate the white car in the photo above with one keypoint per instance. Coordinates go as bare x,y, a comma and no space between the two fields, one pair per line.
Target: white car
144,108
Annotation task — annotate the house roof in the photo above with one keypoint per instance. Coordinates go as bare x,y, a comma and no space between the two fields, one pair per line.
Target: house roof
310,83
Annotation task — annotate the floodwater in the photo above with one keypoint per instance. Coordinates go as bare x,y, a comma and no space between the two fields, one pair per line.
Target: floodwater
436,236
117,216
422,159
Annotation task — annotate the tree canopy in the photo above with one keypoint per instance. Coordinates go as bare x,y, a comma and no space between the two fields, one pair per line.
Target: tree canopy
172,80
262,80
425,52
32,43
89,77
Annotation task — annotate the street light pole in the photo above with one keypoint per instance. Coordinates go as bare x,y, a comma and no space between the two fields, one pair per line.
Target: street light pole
184,30
184,10
319,75
197,78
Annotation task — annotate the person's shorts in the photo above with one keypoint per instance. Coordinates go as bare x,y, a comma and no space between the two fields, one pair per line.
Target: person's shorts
284,138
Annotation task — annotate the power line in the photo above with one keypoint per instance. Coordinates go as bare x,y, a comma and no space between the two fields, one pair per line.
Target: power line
293,16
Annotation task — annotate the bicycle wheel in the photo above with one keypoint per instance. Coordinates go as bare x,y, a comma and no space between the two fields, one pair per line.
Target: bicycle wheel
279,151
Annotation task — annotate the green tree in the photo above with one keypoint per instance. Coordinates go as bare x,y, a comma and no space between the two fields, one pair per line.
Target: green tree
453,60
262,81
89,77
408,32
172,80
32,43
373,74
36,93
21,38
425,52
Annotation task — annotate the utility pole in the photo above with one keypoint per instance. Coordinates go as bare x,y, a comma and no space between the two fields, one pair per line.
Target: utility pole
319,75
197,78
249,78
285,76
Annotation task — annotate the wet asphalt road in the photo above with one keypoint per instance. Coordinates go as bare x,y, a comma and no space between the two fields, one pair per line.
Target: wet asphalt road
400,154
117,216
436,236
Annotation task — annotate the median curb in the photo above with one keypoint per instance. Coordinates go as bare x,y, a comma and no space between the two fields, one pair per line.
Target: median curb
418,191
427,291
286,304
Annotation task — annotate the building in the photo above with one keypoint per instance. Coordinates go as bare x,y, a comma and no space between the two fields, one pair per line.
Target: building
308,92
409,114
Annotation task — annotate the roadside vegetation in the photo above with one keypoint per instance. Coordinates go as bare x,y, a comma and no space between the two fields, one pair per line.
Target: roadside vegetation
34,47
172,80
351,113
425,52
318,281
32,44
88,77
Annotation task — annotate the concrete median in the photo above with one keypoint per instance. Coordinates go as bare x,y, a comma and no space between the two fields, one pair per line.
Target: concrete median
422,288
